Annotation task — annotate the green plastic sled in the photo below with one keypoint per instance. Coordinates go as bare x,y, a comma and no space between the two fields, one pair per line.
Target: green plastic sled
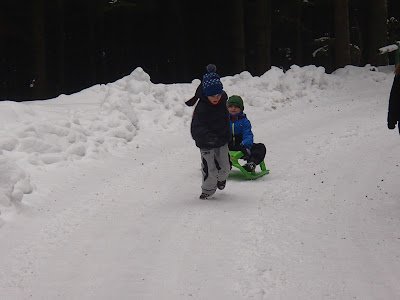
236,155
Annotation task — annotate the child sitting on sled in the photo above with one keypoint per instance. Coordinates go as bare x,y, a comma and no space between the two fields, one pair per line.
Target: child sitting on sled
242,136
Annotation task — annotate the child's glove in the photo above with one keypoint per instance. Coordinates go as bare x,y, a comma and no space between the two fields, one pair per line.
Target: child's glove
246,151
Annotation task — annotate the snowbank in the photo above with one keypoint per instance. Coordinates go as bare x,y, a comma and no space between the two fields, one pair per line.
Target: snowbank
106,118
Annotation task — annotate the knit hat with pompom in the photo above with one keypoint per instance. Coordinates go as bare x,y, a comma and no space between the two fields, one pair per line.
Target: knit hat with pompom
212,84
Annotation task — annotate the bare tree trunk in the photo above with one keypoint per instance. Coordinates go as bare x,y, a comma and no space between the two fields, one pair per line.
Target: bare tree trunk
92,8
177,34
299,40
263,35
377,31
342,33
39,83
239,50
61,48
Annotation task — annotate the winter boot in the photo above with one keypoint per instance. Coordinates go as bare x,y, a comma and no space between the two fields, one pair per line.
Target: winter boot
204,196
250,166
221,184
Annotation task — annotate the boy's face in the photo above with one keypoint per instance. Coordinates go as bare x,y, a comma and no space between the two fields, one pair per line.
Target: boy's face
234,110
214,99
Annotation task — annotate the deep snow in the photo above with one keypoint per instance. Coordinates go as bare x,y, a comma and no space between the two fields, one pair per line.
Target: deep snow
99,193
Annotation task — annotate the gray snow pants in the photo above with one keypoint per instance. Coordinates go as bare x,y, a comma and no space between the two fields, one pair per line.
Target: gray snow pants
215,166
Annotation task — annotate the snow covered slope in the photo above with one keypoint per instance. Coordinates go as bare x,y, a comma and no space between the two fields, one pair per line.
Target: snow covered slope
99,193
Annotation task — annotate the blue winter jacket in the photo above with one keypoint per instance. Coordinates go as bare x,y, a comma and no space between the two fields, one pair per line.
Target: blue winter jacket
241,132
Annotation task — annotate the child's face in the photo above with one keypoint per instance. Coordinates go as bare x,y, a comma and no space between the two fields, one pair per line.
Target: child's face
214,99
234,110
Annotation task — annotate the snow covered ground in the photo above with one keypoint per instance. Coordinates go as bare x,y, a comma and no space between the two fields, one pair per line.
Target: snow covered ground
99,193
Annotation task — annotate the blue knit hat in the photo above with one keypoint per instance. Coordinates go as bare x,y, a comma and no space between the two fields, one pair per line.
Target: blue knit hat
212,84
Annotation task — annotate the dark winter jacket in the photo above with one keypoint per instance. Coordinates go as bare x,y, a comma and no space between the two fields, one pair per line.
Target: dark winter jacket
394,104
241,132
210,123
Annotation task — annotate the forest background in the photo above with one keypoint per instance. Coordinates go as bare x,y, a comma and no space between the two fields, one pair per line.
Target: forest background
53,47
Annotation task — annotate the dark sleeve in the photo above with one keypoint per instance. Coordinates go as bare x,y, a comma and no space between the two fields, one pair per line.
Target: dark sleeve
203,136
394,102
192,101
199,128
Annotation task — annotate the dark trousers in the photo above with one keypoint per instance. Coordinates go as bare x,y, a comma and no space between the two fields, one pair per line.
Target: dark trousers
258,152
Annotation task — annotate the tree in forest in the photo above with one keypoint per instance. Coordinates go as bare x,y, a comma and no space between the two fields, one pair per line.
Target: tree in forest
174,59
60,44
377,31
299,29
263,35
342,33
40,65
238,47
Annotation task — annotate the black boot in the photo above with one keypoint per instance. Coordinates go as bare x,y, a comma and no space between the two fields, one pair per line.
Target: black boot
250,166
221,184
204,196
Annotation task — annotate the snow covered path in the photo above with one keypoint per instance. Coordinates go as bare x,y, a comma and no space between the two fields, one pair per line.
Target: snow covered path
324,224
332,222
131,232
